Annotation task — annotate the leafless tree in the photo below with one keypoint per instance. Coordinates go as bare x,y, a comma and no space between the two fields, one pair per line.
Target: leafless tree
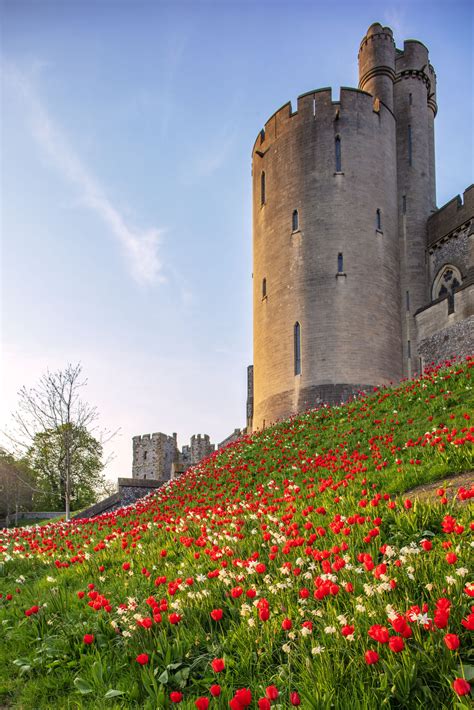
55,405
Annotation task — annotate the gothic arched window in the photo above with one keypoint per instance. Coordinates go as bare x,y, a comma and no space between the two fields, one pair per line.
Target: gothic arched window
297,346
447,280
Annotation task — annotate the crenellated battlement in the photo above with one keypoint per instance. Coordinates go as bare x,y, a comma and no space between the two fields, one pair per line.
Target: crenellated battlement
319,107
157,435
451,216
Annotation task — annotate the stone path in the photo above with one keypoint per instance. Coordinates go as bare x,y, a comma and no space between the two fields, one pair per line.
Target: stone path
427,491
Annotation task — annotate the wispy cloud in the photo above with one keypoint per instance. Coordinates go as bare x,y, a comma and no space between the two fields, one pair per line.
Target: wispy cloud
140,247
395,17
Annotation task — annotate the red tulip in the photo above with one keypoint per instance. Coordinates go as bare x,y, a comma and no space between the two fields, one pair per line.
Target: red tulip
218,665
461,686
371,657
451,641
396,644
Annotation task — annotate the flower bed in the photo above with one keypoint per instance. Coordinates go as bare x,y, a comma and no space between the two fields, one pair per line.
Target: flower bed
286,570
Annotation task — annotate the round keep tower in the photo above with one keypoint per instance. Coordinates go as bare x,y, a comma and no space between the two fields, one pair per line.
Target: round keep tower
326,295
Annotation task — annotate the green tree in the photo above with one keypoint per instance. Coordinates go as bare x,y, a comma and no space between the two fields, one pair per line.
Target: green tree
58,430
53,453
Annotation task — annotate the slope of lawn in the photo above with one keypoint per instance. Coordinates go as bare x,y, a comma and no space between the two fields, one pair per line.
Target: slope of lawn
288,569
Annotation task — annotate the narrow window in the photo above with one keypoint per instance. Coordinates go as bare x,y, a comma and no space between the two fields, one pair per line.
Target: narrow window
295,221
340,263
297,342
264,288
410,99
404,204
262,188
378,220
145,454
408,349
338,155
314,107
410,147
408,300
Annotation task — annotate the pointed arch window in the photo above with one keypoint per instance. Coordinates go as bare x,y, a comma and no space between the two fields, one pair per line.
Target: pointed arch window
446,281
295,221
337,147
262,188
297,347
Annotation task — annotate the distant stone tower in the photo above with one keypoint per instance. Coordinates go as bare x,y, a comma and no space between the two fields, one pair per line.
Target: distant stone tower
154,455
199,447
342,193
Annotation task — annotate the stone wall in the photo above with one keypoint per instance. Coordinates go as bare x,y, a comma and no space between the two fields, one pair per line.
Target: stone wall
451,216
456,249
129,491
443,332
236,434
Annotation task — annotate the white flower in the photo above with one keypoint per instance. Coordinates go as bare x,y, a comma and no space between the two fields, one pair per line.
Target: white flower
317,650
305,631
330,630
360,607
462,571
450,580
251,621
286,648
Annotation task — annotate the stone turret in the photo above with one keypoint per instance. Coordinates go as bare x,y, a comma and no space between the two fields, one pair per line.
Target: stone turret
377,63
415,108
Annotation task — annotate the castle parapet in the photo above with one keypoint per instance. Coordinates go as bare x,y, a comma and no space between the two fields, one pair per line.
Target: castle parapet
453,215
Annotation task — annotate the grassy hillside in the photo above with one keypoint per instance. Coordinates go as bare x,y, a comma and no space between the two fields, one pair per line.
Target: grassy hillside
288,569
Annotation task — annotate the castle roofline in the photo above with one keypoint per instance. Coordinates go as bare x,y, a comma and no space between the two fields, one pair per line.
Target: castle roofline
285,112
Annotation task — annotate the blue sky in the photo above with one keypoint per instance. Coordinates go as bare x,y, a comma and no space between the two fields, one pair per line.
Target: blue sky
125,193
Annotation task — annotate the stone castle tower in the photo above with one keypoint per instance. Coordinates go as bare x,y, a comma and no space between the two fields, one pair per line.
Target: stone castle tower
344,231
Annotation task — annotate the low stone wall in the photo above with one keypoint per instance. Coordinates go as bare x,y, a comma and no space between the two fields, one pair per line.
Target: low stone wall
442,332
129,491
